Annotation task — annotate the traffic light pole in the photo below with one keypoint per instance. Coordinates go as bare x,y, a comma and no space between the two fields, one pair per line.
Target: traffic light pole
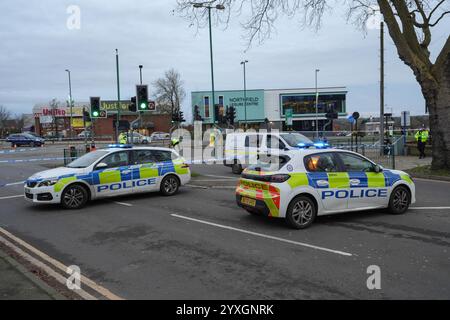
118,96
212,62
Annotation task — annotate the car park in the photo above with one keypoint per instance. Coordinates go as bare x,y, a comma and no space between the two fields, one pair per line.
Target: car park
299,185
116,170
25,139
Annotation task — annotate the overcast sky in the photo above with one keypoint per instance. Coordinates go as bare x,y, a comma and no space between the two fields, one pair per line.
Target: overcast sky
36,47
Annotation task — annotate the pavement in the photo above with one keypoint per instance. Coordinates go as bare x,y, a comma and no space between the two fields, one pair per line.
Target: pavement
200,245
17,283
409,162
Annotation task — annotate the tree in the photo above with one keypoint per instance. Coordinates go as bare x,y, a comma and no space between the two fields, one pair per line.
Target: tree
169,92
410,24
5,115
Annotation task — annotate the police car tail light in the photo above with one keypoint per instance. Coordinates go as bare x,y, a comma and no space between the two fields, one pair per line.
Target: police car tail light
279,178
184,166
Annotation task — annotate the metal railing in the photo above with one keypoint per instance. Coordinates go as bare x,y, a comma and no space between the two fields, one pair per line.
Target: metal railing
384,156
72,154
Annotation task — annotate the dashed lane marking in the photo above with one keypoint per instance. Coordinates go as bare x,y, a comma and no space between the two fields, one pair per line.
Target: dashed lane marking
11,197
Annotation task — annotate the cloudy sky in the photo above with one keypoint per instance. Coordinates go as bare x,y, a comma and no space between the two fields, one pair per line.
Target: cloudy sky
36,47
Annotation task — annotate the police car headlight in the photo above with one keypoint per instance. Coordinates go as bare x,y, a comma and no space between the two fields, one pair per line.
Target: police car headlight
47,183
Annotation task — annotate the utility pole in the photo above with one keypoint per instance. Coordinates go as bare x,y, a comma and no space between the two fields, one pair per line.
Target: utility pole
317,107
118,96
70,104
381,86
245,93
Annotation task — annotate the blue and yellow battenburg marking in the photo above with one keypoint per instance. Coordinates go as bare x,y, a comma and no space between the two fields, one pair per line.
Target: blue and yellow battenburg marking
122,177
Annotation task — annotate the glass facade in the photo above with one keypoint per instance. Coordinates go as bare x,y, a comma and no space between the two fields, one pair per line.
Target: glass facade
206,105
303,104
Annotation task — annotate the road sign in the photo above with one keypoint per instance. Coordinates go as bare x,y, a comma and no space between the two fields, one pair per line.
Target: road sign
405,119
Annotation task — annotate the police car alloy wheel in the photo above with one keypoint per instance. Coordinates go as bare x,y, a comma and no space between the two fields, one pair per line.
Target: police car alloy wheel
74,197
400,200
301,212
170,185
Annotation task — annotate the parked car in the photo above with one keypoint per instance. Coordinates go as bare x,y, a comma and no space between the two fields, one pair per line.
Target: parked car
85,134
159,136
24,139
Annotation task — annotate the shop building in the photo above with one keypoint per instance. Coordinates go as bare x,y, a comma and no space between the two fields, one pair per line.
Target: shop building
272,105
55,120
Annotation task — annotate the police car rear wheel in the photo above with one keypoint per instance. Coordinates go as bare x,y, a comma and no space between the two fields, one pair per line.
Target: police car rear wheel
400,200
74,197
170,185
301,212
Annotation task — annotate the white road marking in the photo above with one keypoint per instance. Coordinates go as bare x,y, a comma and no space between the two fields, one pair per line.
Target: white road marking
83,294
264,235
195,186
429,208
13,183
123,203
211,180
11,197
214,176
101,290
430,180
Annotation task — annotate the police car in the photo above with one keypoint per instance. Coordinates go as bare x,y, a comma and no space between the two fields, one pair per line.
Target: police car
299,185
117,170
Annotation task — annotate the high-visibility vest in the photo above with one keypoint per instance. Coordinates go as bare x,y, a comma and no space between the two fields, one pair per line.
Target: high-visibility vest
212,139
421,136
122,138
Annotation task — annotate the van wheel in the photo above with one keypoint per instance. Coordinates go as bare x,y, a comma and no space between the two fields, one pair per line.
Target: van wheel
400,200
301,212
74,197
169,185
236,168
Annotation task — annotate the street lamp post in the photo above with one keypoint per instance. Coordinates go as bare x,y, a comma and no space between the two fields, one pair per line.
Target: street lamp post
140,72
245,93
207,5
317,106
118,96
70,103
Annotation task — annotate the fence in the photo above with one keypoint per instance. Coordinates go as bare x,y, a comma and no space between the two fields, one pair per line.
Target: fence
72,154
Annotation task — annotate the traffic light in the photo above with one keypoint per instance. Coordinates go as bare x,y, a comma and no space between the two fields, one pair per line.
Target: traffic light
86,116
142,97
95,107
175,116
132,106
181,117
231,115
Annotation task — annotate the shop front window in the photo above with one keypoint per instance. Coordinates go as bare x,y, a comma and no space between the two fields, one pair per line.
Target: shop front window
306,104
206,102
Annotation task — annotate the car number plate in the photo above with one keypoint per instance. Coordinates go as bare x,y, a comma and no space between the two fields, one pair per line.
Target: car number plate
248,201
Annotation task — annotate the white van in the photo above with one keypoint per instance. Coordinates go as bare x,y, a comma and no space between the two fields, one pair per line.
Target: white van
241,147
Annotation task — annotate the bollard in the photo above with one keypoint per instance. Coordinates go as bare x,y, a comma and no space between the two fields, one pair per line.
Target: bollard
72,152
93,148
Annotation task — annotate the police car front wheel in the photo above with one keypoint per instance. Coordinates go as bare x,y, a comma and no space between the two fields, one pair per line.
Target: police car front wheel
74,197
301,212
170,185
400,200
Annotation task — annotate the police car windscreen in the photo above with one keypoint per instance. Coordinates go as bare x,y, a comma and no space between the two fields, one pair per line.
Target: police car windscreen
268,163
294,139
87,159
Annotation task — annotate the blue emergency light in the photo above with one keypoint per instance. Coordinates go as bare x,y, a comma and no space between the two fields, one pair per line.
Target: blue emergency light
118,145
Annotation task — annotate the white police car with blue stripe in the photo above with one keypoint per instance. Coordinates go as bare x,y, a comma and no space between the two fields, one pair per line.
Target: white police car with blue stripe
117,170
299,185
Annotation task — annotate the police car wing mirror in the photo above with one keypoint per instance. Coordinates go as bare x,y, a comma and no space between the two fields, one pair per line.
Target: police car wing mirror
378,168
101,165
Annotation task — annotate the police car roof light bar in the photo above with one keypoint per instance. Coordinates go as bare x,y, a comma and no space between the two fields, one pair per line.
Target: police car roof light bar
117,145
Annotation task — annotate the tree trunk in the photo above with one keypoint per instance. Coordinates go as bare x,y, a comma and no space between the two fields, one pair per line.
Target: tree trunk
438,103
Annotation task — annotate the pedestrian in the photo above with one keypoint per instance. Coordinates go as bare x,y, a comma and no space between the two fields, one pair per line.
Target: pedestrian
122,138
421,137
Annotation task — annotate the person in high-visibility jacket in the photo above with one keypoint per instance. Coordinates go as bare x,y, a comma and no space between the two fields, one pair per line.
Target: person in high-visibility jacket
122,138
421,138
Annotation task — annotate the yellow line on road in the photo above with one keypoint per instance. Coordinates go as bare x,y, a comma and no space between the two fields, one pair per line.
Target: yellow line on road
101,290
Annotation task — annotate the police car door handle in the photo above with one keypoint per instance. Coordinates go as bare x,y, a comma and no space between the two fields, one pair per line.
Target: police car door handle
354,182
126,171
322,183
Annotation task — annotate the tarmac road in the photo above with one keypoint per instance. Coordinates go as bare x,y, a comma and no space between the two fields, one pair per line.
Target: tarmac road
200,245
